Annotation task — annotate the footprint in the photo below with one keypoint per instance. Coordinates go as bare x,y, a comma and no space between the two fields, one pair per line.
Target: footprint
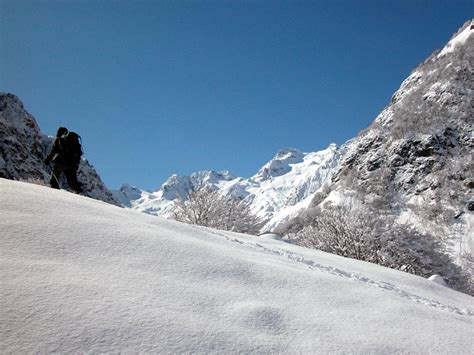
261,317
355,277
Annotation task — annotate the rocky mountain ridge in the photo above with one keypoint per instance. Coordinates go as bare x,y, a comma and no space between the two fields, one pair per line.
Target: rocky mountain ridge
23,149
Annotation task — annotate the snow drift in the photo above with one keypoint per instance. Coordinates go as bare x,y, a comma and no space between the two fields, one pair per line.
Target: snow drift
79,275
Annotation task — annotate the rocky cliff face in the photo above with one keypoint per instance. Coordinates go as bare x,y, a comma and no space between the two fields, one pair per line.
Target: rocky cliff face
23,149
415,161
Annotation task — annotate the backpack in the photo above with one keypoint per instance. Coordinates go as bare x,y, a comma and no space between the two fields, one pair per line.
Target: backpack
71,148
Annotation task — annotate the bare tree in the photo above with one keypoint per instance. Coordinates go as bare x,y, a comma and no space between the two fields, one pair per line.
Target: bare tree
209,208
199,207
343,231
367,235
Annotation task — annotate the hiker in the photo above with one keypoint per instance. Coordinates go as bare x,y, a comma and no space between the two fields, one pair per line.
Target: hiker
65,157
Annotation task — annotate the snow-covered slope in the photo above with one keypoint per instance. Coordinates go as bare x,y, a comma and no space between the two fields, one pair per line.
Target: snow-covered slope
459,39
23,149
81,276
279,190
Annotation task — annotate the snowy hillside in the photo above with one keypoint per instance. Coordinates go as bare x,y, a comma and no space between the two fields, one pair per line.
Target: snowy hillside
278,191
80,275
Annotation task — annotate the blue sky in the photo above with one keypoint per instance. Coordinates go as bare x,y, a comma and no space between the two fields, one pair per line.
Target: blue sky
162,87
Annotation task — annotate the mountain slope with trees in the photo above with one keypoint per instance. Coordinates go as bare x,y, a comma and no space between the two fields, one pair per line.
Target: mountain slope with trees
413,167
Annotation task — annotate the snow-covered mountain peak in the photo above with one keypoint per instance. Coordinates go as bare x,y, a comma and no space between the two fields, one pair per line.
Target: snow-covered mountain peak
128,193
459,39
286,184
178,186
280,188
175,186
280,164
435,97
289,153
211,177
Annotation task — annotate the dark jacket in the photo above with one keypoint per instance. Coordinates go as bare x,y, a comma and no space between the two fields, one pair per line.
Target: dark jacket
59,156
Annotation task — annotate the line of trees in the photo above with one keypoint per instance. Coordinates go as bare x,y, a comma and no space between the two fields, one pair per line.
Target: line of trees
365,234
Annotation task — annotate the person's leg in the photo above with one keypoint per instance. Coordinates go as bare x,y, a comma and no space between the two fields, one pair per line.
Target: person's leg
54,181
71,176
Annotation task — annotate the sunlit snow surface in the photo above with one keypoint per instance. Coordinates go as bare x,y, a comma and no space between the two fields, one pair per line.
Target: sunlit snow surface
78,275
458,40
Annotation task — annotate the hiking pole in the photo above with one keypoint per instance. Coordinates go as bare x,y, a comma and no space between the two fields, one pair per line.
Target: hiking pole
53,176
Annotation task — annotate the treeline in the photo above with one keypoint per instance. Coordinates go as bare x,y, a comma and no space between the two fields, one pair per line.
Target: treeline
362,233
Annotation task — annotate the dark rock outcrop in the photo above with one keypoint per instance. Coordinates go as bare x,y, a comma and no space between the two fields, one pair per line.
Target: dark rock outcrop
23,149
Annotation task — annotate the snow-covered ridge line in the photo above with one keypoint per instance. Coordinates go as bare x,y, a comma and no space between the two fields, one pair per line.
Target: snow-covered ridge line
279,190
459,39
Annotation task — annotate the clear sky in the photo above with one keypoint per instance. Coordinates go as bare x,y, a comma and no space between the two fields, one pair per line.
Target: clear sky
162,87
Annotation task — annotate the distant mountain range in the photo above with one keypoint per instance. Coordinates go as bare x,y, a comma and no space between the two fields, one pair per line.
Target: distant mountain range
281,188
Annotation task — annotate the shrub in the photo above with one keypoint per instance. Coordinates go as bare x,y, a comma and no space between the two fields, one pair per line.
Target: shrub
364,235
209,208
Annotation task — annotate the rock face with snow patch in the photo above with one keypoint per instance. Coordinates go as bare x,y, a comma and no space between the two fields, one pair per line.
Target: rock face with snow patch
23,149
280,164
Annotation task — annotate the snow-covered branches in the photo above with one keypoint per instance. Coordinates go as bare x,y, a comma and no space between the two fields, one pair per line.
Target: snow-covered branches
343,232
209,208
364,234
